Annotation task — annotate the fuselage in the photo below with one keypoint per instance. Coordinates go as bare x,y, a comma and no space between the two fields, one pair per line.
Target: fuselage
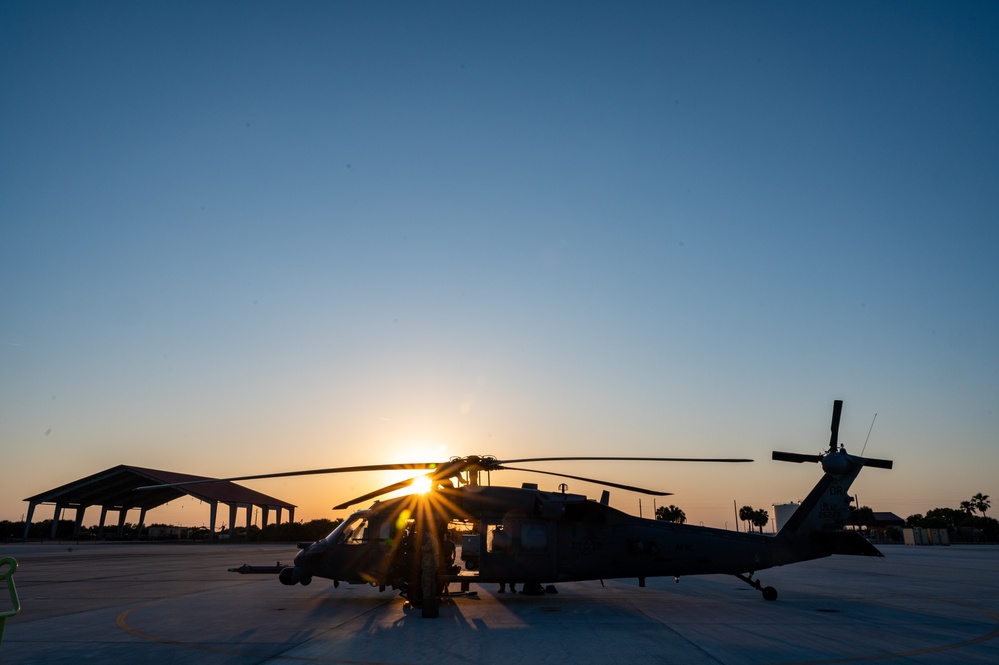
527,535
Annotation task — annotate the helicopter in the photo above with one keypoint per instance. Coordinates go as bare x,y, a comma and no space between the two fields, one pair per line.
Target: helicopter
524,535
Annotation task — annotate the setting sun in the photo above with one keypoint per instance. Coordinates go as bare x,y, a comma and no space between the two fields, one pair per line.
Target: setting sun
421,484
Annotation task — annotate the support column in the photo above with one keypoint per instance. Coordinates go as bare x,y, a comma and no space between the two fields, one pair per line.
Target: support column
213,516
100,527
265,511
142,521
232,521
27,519
80,510
291,514
122,514
55,520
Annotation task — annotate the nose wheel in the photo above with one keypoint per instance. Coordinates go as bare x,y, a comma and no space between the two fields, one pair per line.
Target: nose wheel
768,592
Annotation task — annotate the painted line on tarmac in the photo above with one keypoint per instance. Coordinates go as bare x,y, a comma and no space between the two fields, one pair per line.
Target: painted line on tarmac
122,622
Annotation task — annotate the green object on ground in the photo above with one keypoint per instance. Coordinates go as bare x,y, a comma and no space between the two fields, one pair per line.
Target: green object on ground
7,567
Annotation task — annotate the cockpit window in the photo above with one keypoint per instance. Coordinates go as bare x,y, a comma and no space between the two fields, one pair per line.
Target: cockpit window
355,531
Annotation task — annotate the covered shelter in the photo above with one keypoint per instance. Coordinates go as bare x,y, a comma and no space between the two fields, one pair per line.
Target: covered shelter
887,520
117,490
887,527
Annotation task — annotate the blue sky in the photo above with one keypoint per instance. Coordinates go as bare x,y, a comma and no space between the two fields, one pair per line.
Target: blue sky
251,237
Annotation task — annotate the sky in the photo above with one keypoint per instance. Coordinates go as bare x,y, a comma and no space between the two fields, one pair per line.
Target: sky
251,237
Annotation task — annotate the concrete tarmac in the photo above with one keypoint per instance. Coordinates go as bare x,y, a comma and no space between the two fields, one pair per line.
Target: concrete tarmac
176,603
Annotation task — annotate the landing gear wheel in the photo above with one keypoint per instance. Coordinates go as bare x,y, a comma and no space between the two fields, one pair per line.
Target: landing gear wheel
769,593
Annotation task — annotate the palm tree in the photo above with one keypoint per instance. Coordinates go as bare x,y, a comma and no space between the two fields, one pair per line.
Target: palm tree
746,514
981,503
671,514
967,507
760,518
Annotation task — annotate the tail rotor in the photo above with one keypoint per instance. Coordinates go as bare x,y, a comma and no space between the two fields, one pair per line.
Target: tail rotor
835,459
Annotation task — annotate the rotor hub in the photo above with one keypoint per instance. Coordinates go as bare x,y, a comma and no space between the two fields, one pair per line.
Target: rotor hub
836,463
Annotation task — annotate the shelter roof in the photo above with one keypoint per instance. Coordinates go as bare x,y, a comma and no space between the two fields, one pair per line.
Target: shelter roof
117,487
887,518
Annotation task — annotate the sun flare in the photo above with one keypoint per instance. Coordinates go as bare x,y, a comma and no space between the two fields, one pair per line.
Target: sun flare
421,484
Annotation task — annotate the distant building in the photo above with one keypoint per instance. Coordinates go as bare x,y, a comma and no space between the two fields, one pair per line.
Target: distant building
167,532
887,520
887,528
783,512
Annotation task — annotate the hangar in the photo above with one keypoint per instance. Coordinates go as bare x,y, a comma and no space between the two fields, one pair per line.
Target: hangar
116,490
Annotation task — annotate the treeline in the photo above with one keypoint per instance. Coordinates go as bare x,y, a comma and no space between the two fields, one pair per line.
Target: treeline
295,531
963,521
41,530
272,533
967,523
958,523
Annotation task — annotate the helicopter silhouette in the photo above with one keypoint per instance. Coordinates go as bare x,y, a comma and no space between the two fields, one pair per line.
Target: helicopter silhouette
523,535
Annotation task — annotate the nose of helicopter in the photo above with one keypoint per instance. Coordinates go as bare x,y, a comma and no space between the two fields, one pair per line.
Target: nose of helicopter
305,561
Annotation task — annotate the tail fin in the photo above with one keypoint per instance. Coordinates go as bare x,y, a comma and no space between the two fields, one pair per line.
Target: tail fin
827,506
815,529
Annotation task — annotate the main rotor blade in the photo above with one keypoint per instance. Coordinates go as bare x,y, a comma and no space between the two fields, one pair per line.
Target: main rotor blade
834,426
624,459
377,493
630,488
795,457
307,472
